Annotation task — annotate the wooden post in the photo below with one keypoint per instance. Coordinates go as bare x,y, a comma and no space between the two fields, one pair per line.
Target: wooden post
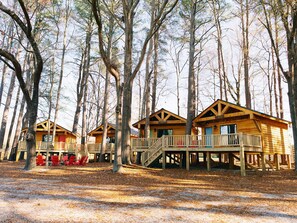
231,161
276,160
208,161
204,158
187,160
263,162
164,159
242,158
17,156
289,161
181,160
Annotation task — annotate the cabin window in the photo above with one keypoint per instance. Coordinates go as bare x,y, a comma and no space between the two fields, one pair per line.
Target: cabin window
228,129
229,137
165,132
47,138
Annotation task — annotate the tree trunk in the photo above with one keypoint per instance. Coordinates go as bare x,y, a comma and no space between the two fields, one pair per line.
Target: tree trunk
86,70
245,49
191,77
117,164
155,78
18,131
82,82
8,147
56,115
7,104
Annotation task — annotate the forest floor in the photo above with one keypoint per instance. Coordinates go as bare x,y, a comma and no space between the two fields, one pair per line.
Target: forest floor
94,194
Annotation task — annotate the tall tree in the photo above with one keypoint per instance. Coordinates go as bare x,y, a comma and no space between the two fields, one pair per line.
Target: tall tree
32,101
129,10
245,24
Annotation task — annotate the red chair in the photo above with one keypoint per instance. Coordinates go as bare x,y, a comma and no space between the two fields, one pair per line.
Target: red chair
71,161
39,160
65,159
55,160
83,161
194,144
180,144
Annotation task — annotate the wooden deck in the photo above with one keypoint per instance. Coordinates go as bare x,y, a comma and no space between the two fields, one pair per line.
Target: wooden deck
158,148
62,147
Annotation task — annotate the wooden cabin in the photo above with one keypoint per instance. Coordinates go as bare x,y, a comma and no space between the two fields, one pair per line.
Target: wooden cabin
62,134
225,118
163,122
97,133
65,140
227,132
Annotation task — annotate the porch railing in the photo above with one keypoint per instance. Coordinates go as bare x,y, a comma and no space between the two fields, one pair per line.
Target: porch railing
202,141
65,147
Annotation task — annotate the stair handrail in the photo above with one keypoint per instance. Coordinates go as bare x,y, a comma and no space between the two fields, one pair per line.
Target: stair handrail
153,149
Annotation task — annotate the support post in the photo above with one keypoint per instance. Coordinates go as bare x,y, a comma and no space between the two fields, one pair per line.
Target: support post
242,158
187,160
17,156
263,162
181,160
289,161
231,161
163,159
208,160
276,159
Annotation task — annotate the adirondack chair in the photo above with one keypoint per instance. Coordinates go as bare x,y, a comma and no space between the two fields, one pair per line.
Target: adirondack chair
39,160
71,161
65,159
83,161
55,160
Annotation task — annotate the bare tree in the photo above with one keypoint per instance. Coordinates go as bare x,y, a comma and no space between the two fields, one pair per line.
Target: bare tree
129,10
32,101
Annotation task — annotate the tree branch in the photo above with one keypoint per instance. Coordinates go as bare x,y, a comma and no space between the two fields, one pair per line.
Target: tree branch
18,71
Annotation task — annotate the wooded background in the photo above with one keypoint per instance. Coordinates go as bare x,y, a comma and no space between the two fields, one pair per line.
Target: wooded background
131,58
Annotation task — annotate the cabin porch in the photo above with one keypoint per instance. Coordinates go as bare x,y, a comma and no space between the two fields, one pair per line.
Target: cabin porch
58,148
187,150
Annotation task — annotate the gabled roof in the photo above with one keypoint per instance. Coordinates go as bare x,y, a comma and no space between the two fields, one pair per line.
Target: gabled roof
99,129
110,128
223,109
162,116
45,125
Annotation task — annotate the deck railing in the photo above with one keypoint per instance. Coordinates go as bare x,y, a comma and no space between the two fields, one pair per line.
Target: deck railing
202,141
65,147
143,143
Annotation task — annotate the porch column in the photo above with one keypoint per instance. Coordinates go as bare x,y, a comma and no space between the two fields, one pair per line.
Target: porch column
208,160
187,160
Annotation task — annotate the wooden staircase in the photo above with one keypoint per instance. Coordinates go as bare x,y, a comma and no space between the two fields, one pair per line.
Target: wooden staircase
153,153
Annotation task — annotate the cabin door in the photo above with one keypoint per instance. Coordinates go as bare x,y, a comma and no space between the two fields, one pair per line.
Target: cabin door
208,137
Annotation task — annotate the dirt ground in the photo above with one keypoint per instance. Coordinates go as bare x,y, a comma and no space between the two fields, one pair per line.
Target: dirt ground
94,194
